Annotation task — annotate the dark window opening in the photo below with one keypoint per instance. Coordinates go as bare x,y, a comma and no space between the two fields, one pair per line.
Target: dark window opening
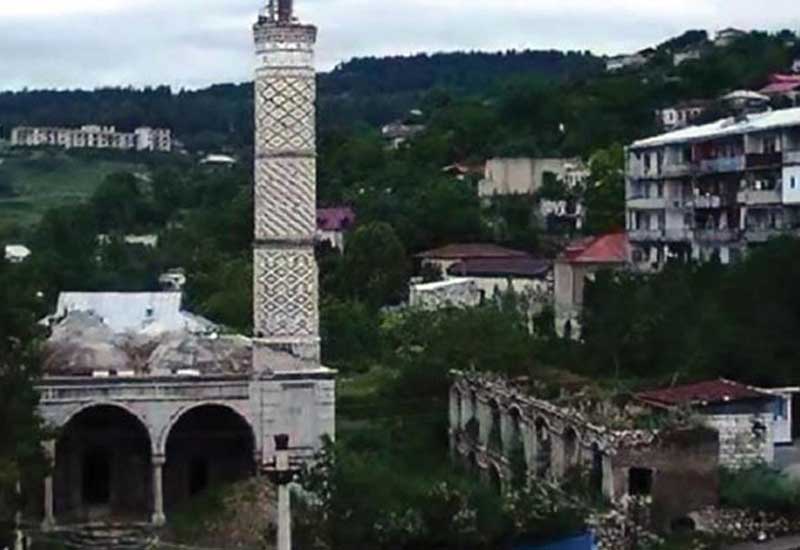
683,525
640,481
97,477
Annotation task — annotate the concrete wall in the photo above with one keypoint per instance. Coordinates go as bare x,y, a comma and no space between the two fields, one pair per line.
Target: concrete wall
791,184
449,293
518,176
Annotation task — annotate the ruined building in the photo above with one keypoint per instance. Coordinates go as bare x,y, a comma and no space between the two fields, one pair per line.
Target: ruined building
505,434
716,189
152,405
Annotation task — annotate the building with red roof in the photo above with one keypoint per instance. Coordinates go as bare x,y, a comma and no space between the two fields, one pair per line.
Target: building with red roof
783,85
578,262
446,256
743,416
333,223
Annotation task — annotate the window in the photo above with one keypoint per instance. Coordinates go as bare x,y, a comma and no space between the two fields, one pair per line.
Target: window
640,481
793,182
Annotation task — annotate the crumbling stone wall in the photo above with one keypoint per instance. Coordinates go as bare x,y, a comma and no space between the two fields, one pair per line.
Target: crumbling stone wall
681,463
744,439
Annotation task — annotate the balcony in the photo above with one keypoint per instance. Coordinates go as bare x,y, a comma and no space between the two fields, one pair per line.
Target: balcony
717,235
708,201
676,170
762,235
660,235
720,165
645,235
755,198
646,203
791,157
756,161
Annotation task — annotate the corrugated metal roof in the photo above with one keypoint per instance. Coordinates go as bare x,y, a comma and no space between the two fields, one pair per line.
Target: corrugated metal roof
153,312
702,393
502,267
724,128
468,251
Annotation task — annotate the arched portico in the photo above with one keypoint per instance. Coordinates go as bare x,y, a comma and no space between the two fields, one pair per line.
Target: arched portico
205,445
101,466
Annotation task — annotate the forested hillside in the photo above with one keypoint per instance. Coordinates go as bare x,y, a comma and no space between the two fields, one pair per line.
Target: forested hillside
365,90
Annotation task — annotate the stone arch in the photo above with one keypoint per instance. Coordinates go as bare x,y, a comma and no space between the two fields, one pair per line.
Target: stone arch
163,435
516,451
571,449
102,465
472,428
495,435
206,445
596,470
456,409
544,448
113,404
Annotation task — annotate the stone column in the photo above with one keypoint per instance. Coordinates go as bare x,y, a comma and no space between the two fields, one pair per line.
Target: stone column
158,518
284,518
49,499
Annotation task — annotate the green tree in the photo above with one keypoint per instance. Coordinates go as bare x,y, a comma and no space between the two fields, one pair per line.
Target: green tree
375,267
21,460
604,197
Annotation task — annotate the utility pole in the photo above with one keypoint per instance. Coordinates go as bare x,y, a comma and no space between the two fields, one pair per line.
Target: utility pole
282,473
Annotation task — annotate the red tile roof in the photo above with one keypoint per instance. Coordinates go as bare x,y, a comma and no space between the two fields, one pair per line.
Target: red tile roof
523,268
335,219
782,83
613,248
701,393
471,251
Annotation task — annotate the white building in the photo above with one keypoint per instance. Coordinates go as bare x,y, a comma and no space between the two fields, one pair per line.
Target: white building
728,36
796,65
93,137
525,176
690,54
682,114
715,189
16,253
622,62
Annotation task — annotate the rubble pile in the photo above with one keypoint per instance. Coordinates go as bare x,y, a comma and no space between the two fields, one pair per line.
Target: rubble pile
743,525
625,526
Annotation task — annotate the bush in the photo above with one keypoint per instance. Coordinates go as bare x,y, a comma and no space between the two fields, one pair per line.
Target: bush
760,489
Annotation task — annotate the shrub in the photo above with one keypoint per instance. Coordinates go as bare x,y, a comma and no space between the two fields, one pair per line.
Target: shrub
760,489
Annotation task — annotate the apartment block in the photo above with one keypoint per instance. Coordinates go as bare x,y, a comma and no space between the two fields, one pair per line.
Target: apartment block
93,137
714,190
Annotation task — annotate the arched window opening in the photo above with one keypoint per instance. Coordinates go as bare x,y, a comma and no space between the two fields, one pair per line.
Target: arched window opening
495,429
544,448
570,449
102,469
516,451
208,446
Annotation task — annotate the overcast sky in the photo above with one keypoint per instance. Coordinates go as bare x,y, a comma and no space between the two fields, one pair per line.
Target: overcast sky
193,43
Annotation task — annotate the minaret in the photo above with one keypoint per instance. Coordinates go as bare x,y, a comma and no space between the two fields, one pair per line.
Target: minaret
286,294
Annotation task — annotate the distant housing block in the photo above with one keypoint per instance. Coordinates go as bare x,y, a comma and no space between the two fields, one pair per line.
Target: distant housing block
93,137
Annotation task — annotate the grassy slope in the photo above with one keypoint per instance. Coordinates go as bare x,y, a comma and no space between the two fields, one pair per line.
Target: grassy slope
45,179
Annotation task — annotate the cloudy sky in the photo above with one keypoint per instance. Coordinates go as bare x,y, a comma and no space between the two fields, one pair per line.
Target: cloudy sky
193,43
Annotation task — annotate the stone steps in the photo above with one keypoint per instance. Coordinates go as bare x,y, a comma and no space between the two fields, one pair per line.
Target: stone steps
102,536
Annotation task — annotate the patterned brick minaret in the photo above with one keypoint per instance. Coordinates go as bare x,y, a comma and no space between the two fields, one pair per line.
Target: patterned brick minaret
286,295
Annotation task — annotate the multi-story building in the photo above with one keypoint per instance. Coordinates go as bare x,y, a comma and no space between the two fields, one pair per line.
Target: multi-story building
682,114
93,137
715,189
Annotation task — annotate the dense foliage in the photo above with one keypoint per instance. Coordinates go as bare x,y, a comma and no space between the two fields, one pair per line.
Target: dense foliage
21,461
699,321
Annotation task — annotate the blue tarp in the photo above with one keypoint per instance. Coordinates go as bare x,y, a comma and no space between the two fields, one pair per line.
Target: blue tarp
583,542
